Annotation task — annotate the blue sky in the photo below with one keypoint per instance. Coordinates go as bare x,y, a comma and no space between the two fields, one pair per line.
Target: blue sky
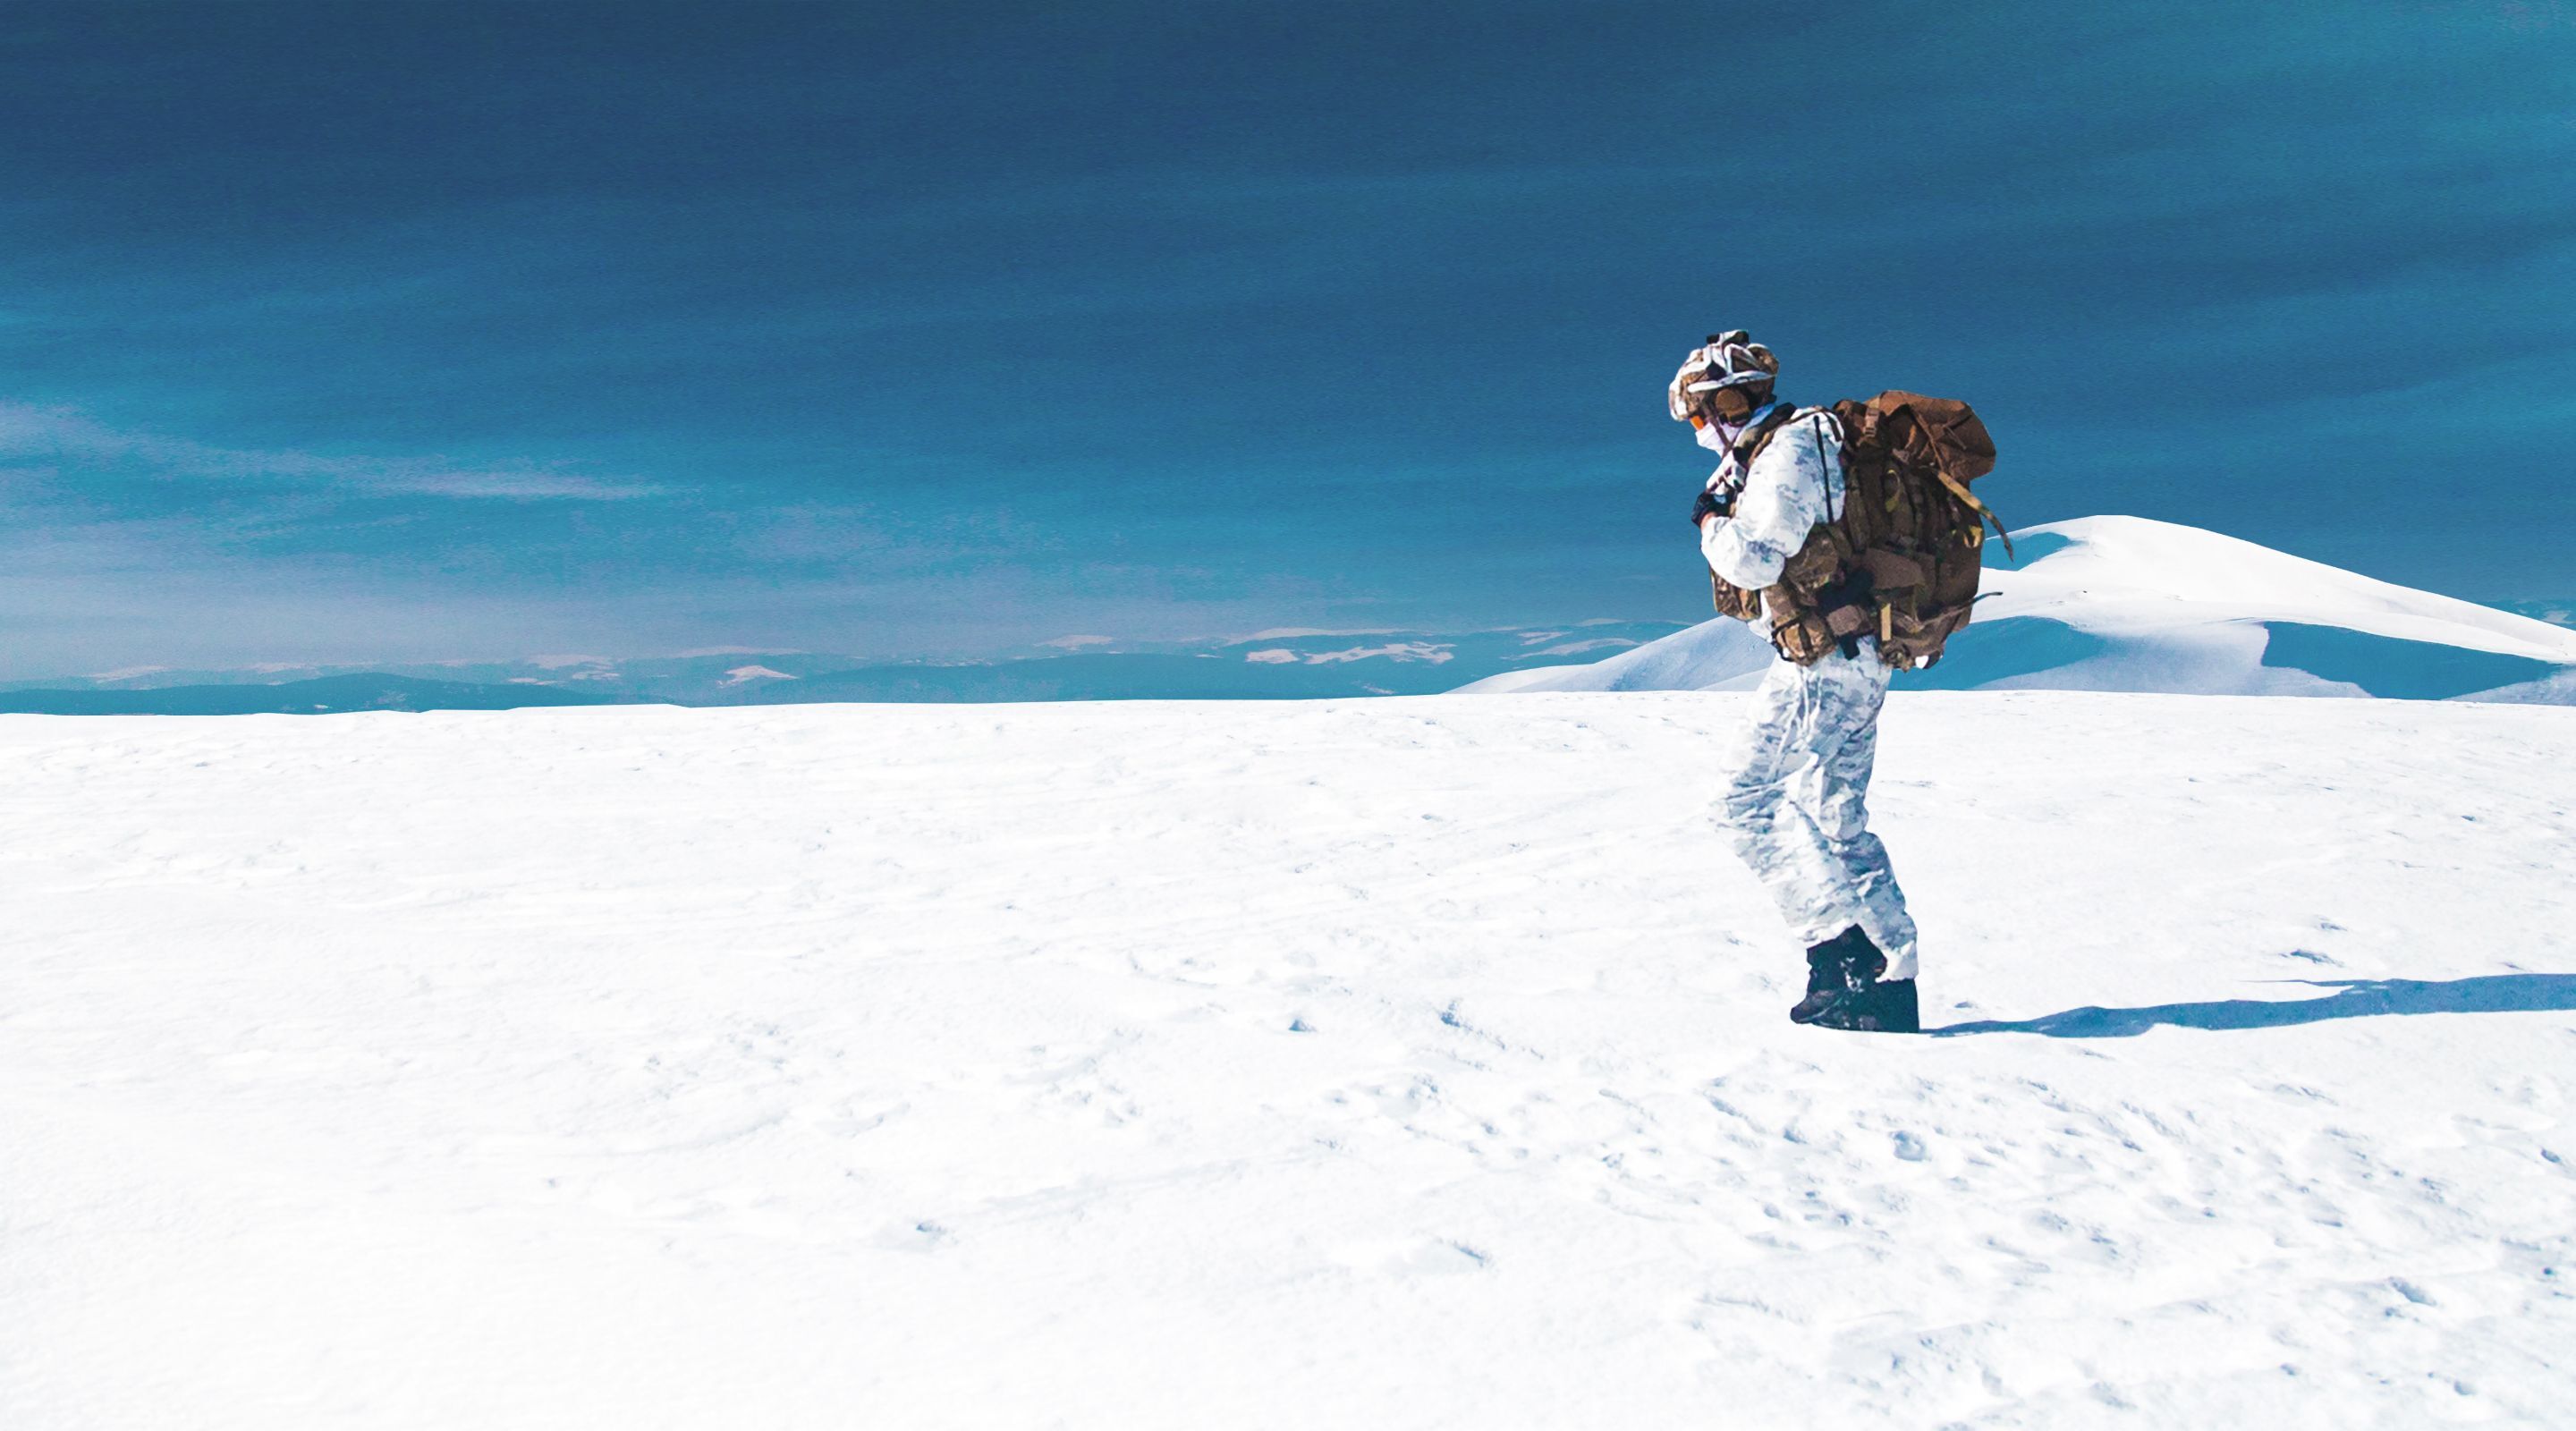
412,332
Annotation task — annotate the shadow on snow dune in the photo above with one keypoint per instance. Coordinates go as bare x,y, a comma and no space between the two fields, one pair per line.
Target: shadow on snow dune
2352,999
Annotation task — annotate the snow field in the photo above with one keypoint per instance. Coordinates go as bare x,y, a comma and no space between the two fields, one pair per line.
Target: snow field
1398,1063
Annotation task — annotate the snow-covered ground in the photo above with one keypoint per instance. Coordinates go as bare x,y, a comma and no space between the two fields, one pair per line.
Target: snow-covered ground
1376,1064
2128,604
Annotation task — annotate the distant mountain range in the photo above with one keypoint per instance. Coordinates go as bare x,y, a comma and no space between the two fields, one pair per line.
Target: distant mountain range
2127,604
1272,665
2100,603
325,695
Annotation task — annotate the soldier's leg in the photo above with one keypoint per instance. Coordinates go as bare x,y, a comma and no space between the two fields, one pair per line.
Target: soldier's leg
1850,696
1773,832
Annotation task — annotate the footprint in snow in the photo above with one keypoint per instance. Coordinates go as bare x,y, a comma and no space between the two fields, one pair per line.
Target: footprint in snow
1909,1147
922,1236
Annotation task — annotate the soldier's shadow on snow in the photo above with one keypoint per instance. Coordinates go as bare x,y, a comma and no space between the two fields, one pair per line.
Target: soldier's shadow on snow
2351,999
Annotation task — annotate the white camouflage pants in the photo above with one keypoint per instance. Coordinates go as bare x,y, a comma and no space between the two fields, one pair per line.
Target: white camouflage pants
1796,803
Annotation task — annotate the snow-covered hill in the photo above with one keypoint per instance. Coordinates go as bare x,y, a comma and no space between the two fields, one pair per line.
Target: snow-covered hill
2127,604
1402,1063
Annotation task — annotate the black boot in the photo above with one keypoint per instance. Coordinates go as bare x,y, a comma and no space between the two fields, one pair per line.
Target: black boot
1845,992
1882,1006
1831,967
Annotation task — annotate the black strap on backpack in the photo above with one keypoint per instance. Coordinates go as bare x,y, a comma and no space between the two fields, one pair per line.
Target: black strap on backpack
1748,443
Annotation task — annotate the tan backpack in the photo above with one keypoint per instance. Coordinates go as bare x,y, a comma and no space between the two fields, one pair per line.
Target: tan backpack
1901,562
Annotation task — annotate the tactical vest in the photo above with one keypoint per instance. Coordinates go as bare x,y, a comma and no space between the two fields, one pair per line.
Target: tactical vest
1901,560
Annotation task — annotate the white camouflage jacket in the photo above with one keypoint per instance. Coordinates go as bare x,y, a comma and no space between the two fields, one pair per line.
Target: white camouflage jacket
1796,482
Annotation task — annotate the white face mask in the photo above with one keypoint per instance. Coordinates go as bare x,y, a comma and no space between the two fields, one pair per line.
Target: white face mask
1715,436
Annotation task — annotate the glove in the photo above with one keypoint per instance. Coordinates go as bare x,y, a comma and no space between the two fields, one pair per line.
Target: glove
1718,503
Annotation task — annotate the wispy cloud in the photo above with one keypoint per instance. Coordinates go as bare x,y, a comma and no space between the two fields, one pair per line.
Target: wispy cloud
31,434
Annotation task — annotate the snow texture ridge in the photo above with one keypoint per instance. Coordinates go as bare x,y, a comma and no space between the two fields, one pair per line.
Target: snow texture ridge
1403,1063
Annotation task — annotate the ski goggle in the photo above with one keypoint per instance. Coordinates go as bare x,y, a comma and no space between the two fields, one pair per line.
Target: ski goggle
1727,399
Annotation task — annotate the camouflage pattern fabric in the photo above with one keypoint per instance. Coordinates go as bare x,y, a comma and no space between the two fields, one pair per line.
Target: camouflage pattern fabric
1796,803
1794,486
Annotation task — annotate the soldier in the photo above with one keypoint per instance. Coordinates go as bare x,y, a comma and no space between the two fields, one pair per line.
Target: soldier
1806,839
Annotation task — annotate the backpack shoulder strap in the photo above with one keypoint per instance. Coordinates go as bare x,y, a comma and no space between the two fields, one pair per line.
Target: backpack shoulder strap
1749,443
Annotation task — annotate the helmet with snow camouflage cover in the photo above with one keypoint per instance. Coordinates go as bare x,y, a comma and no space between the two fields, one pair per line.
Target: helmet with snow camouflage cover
1723,380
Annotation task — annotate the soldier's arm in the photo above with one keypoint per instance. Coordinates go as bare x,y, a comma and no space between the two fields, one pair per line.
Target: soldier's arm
1784,499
